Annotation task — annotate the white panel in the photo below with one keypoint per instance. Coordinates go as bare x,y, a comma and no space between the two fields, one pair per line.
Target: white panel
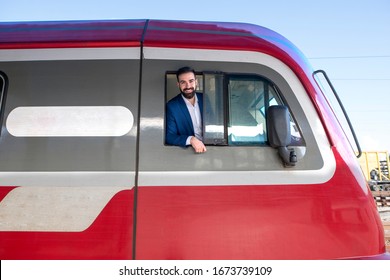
69,209
70,121
236,178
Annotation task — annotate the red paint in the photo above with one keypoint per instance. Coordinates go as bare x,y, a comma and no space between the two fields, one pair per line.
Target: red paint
336,219
259,222
109,237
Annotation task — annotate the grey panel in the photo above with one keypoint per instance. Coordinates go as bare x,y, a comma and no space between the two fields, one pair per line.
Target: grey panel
217,158
70,83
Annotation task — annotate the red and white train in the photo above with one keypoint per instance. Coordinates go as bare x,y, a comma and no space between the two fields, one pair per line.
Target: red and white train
85,172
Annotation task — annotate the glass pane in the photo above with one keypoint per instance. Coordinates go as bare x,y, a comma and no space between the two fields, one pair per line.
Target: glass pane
274,99
2,99
247,100
213,112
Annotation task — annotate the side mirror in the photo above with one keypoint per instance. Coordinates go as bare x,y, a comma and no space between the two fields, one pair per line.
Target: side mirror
279,133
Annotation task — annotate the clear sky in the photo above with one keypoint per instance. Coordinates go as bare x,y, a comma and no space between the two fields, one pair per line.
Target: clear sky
349,39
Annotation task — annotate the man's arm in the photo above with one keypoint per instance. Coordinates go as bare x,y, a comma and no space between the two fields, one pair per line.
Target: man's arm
172,136
198,145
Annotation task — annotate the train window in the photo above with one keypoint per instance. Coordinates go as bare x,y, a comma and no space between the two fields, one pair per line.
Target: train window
3,89
171,85
214,112
235,108
248,98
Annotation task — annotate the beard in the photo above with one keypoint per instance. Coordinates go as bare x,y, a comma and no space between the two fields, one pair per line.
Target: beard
188,93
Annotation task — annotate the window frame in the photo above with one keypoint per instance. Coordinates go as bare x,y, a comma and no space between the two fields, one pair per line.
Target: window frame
226,76
3,95
254,77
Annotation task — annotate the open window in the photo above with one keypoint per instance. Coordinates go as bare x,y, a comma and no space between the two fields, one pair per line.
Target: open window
235,108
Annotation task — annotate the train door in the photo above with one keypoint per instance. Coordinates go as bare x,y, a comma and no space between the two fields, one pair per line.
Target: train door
232,201
68,153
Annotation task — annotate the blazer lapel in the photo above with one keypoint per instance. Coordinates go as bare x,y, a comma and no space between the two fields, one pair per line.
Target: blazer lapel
186,114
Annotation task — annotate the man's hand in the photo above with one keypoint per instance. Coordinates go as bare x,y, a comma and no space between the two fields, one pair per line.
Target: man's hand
198,145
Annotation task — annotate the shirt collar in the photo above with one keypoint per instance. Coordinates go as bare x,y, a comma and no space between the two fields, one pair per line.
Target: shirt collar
188,102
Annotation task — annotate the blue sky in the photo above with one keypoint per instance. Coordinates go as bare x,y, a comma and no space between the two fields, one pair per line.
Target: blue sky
349,39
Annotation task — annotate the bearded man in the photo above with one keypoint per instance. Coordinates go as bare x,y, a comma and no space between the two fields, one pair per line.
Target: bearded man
184,113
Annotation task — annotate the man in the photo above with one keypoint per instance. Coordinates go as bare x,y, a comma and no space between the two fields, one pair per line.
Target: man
184,113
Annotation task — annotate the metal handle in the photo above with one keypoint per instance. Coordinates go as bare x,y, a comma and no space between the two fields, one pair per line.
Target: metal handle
343,109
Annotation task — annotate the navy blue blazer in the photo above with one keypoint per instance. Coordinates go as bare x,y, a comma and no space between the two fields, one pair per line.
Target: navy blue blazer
178,122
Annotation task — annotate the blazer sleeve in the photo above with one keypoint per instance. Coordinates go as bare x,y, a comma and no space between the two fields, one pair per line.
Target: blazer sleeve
177,131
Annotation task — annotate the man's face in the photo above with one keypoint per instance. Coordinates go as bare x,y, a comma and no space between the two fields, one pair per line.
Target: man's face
187,84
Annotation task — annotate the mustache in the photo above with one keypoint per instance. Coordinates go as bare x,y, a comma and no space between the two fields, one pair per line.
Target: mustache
191,88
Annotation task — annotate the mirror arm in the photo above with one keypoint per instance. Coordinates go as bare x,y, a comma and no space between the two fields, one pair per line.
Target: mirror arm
289,156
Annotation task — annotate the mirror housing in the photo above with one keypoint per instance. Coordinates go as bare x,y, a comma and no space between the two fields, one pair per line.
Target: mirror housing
279,133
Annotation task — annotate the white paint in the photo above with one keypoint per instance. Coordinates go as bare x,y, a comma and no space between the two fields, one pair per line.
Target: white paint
61,209
70,121
68,179
69,54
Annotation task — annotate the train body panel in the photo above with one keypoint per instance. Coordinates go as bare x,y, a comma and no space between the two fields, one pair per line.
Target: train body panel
86,174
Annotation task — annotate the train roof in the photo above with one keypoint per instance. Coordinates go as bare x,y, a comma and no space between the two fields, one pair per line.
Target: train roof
154,33
157,33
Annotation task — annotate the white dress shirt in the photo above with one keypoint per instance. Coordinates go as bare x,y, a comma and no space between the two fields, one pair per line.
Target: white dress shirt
196,118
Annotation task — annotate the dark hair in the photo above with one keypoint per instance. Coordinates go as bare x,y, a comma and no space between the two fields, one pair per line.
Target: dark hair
184,70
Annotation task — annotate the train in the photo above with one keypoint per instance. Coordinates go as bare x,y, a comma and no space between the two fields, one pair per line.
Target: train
375,166
86,173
